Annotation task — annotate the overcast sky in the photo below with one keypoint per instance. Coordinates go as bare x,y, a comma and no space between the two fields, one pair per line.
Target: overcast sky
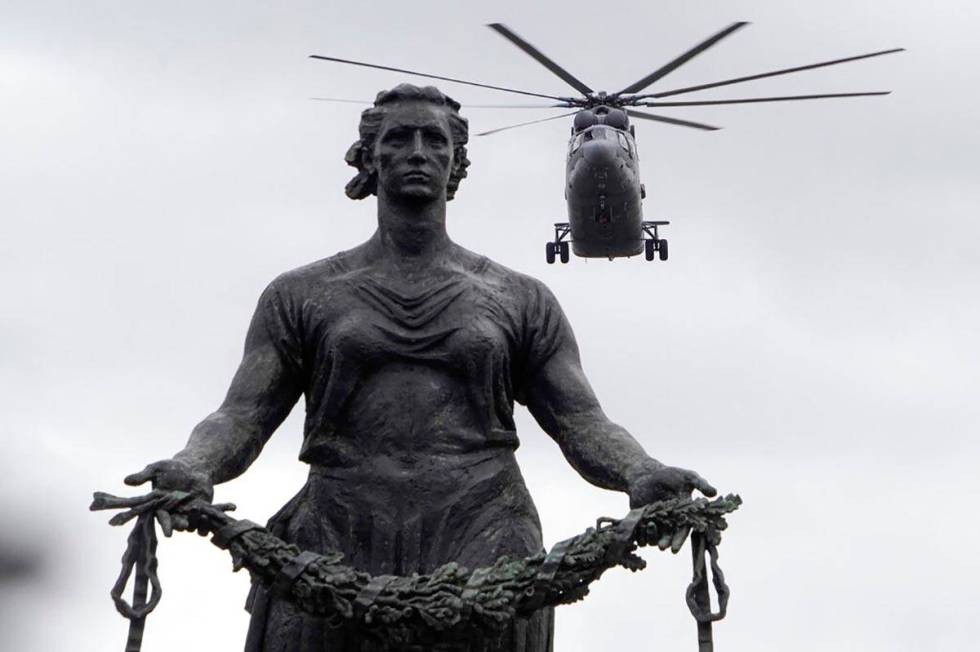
811,344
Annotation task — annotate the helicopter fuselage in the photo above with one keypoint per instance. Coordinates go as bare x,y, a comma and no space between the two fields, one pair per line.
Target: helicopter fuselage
603,192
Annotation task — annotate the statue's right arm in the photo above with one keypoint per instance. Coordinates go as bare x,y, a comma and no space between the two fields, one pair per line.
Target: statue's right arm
226,442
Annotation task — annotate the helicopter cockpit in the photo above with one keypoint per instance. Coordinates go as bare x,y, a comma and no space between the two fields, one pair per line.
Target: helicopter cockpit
602,123
600,115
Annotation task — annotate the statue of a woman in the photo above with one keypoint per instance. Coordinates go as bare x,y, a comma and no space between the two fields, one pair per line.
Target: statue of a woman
410,352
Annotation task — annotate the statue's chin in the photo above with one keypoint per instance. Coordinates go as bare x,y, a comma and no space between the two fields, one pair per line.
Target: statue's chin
418,195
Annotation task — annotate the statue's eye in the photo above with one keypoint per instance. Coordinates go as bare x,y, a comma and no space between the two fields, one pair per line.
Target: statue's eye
436,137
397,137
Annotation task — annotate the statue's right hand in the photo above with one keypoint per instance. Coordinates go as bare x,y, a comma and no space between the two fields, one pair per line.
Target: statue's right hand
174,475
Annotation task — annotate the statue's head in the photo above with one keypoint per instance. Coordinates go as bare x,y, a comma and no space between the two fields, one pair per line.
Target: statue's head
412,142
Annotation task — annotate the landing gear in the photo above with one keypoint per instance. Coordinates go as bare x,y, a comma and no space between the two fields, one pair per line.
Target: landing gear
653,243
560,247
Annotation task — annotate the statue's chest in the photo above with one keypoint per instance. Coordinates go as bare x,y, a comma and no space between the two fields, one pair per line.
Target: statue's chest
453,323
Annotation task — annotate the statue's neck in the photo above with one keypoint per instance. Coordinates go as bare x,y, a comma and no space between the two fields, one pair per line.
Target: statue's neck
412,232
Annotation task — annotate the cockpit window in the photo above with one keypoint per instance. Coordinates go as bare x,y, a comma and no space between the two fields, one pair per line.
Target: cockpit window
623,142
602,132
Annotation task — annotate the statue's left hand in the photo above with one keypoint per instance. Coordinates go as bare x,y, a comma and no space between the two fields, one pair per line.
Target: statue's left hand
654,482
174,475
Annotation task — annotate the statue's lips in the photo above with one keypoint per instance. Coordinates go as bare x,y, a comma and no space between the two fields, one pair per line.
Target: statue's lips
416,176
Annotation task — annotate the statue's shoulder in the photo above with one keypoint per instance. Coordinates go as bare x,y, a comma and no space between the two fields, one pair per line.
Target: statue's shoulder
520,286
316,275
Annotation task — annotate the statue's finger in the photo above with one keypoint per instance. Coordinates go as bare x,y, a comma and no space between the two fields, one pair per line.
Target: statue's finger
679,538
702,485
166,523
138,478
123,518
225,507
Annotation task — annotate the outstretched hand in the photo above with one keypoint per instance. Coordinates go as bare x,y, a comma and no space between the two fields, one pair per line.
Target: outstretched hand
657,482
174,475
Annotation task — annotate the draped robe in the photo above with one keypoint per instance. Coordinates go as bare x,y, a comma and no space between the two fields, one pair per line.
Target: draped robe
409,431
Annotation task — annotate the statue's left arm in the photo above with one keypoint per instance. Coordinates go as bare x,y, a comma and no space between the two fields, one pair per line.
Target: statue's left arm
561,400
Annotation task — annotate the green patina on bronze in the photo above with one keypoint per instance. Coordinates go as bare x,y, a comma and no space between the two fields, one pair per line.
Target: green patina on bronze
404,610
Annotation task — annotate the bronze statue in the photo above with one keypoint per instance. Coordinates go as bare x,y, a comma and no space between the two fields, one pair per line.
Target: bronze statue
410,352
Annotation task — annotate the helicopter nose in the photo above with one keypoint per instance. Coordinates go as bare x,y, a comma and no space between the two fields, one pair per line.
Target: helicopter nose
600,153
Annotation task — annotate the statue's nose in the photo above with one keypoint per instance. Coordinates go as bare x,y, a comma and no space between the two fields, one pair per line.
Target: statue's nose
418,147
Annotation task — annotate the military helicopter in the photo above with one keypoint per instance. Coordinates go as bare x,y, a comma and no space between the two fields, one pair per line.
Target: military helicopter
602,177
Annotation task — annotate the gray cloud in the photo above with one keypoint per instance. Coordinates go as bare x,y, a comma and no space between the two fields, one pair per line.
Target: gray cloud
811,343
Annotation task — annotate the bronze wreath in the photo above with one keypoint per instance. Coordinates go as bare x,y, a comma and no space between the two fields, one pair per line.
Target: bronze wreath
410,609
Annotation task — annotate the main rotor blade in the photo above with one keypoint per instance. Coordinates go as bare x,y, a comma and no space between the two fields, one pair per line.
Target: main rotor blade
465,106
670,121
340,99
516,106
422,74
504,31
524,124
681,60
774,73
753,100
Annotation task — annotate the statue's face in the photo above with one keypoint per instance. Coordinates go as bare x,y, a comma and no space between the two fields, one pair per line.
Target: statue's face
413,154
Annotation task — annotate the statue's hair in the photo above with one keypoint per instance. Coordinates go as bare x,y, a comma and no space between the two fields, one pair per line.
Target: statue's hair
366,182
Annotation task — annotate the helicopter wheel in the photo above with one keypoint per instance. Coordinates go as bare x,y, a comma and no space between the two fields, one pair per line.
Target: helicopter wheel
549,252
662,248
650,248
563,252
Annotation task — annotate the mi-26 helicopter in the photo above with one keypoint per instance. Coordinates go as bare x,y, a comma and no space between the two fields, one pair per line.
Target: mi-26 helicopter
602,176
